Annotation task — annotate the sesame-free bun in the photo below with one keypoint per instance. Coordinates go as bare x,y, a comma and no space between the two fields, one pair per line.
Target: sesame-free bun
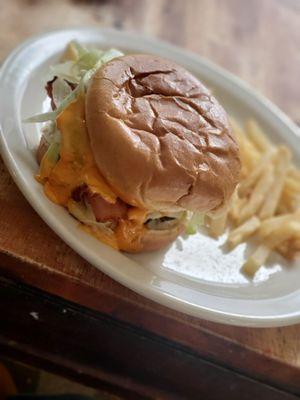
150,239
159,137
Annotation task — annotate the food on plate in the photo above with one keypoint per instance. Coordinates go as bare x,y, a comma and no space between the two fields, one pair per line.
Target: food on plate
266,202
242,232
136,148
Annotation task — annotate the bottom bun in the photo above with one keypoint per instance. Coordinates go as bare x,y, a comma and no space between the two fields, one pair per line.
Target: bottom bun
127,236
151,240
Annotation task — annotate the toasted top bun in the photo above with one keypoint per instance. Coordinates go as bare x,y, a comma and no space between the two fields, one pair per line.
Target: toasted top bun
159,137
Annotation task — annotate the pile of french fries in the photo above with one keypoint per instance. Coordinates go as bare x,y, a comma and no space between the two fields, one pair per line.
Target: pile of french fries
266,203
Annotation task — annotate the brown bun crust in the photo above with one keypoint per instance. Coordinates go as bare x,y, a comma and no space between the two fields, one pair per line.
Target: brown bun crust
150,240
155,240
159,137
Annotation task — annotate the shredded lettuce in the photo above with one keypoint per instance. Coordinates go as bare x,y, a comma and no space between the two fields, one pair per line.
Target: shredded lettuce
88,60
81,50
49,161
194,221
51,116
60,90
106,56
79,72
109,55
48,116
52,154
51,133
73,51
84,213
66,71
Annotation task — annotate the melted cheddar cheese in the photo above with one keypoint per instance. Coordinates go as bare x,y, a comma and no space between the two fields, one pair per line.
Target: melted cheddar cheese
137,214
129,234
110,240
76,165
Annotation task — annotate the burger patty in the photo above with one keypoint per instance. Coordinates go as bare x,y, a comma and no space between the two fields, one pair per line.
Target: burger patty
160,224
105,211
108,212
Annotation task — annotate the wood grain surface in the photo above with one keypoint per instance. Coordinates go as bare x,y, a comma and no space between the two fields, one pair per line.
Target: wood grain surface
257,40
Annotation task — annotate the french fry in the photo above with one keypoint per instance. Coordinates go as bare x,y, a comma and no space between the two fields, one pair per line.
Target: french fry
256,260
248,153
291,189
257,136
284,208
287,194
287,231
296,204
236,205
217,225
288,203
258,194
292,184
243,232
70,53
274,224
262,252
237,130
266,203
294,173
249,156
247,183
290,249
270,204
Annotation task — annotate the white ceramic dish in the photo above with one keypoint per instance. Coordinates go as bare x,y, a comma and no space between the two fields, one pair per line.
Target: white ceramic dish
195,275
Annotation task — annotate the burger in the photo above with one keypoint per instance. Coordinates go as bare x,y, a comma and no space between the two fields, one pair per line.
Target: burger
135,148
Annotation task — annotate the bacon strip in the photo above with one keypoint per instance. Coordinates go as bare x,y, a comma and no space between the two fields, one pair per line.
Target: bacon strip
102,210
105,211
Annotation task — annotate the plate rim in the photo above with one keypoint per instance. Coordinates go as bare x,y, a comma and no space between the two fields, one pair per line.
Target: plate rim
149,291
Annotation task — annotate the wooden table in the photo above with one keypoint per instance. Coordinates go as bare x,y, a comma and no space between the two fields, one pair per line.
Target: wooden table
60,313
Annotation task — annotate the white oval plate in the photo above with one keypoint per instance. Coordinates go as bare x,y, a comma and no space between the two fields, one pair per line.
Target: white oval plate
195,275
